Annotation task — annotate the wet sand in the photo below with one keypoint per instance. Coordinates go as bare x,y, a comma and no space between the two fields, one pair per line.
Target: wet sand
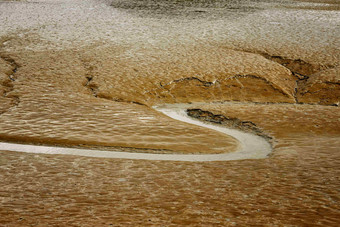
297,185
86,74
249,146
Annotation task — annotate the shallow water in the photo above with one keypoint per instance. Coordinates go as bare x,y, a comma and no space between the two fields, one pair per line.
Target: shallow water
128,54
250,146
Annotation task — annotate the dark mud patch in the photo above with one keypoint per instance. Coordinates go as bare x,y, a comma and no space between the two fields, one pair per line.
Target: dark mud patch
234,123
7,83
301,69
204,83
185,8
326,93
303,72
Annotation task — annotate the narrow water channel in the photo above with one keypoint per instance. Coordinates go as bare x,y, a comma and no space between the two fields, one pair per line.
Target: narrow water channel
250,146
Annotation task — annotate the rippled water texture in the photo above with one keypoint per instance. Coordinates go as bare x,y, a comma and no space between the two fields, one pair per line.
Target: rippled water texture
86,74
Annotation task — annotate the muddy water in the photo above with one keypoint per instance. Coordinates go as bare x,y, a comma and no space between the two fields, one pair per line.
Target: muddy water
298,185
86,72
249,146
258,26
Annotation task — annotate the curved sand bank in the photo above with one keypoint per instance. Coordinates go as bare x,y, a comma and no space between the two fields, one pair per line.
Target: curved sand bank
250,147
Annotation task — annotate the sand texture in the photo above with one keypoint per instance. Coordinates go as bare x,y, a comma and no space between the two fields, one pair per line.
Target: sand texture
298,185
87,74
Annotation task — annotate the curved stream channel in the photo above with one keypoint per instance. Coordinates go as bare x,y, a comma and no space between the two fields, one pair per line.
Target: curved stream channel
250,146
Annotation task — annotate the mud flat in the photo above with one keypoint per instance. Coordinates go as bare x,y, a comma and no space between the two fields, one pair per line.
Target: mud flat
298,184
249,146
87,73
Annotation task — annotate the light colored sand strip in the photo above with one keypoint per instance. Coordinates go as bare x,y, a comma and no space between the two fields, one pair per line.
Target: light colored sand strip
251,146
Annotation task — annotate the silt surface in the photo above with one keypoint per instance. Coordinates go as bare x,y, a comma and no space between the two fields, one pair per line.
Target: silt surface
87,73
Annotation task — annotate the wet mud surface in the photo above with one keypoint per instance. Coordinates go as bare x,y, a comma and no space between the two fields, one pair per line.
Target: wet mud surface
87,73
297,185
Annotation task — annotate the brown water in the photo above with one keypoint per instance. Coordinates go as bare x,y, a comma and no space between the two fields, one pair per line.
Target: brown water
86,73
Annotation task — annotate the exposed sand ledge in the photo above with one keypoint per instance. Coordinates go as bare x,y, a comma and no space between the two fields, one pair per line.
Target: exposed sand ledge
250,146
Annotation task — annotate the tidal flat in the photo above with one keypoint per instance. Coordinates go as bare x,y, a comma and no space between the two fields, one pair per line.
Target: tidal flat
87,74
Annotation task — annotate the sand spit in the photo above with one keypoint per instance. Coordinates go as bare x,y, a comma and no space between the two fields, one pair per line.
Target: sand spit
250,146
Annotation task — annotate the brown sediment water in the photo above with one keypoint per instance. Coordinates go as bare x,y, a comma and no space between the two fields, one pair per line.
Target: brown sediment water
249,146
86,73
296,185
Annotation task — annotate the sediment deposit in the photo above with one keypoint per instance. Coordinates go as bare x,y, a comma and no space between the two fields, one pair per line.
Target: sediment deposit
87,73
